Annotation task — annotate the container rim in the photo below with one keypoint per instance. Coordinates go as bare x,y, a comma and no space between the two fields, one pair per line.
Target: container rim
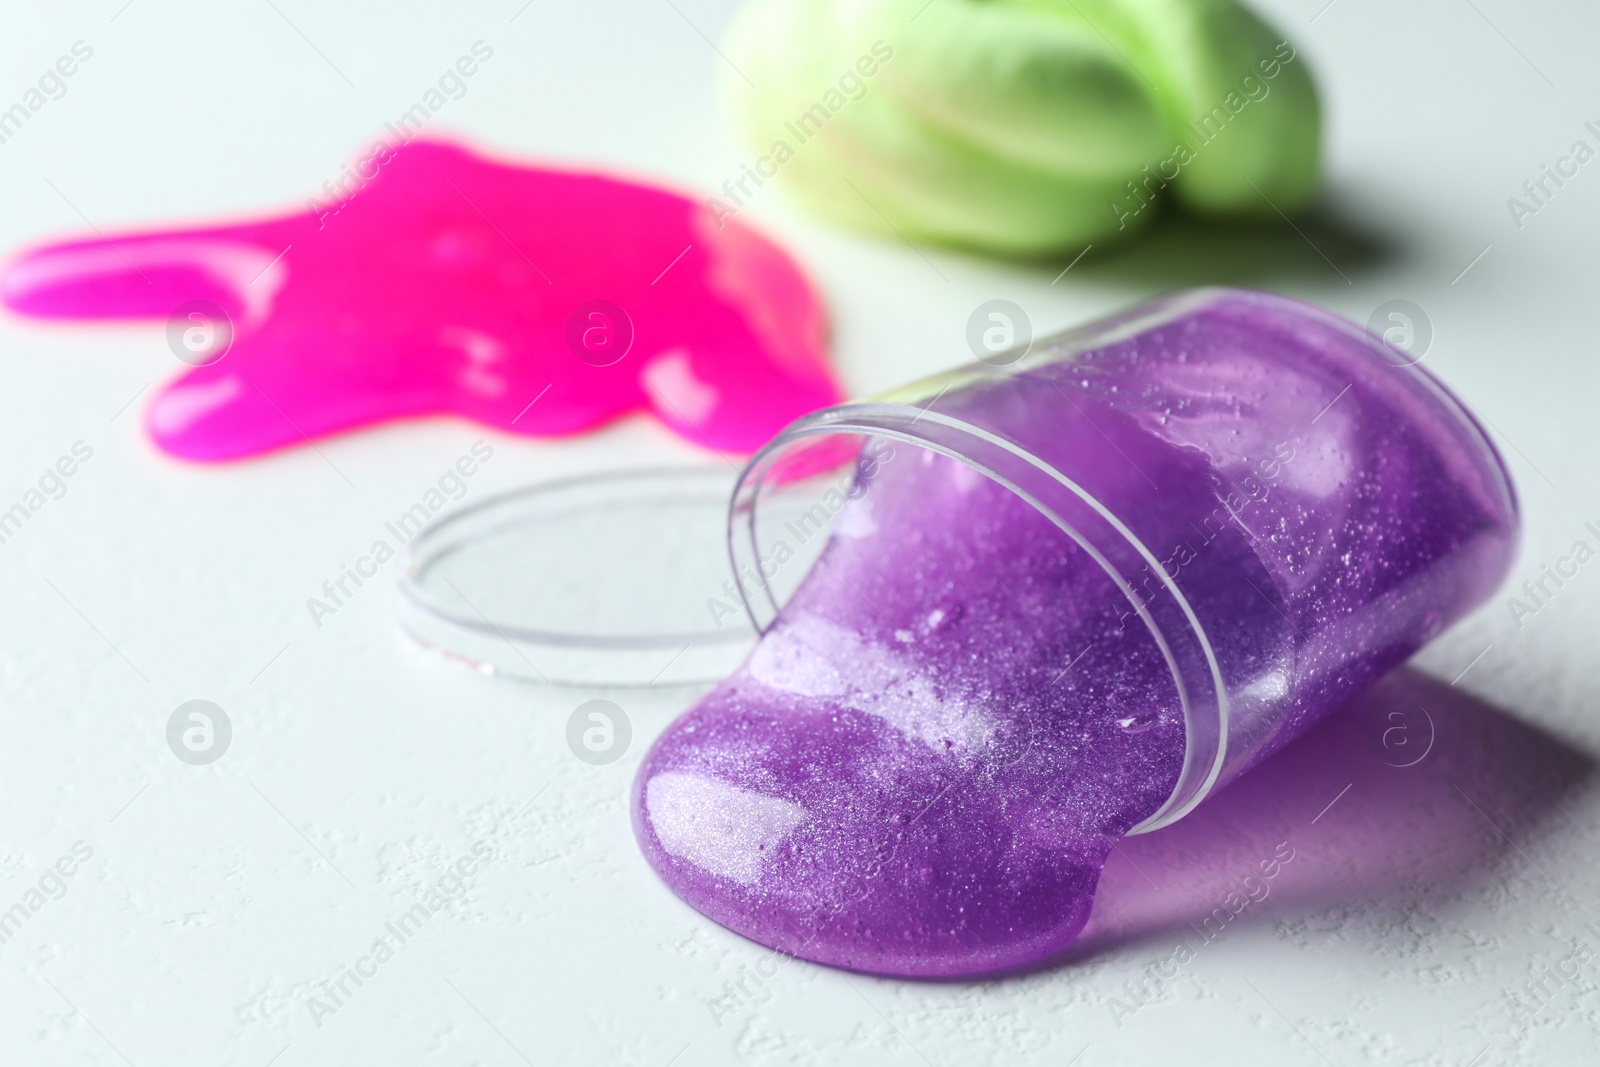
899,422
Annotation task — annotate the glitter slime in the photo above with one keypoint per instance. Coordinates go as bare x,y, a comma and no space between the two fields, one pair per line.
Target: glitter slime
1059,602
534,301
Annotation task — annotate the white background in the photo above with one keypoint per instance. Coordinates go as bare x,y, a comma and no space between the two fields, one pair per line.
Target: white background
219,897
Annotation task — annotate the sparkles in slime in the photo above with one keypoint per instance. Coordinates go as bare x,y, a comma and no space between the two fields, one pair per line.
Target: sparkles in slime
923,765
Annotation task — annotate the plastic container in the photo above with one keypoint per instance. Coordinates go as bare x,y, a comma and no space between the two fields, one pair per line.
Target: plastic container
1288,505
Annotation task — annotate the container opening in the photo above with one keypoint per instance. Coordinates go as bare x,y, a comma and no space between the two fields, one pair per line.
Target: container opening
855,483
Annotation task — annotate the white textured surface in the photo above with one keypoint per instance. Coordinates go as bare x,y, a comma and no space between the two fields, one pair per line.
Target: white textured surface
218,899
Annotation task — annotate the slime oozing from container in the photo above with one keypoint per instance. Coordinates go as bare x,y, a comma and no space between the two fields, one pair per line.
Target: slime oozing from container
907,776
924,764
535,301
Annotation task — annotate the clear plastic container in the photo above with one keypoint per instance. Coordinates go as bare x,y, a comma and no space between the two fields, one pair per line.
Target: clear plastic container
1288,506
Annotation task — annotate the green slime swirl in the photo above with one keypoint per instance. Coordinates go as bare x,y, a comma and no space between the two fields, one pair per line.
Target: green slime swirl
1020,126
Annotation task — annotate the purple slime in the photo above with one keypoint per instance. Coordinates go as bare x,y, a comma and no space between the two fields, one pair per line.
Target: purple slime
925,763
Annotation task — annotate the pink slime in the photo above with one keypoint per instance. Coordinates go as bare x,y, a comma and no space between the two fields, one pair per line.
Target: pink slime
446,284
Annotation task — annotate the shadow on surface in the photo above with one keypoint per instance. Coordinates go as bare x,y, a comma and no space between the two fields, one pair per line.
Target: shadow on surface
1413,792
1181,250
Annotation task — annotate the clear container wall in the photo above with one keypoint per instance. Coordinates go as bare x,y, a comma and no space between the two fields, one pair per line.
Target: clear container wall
1286,507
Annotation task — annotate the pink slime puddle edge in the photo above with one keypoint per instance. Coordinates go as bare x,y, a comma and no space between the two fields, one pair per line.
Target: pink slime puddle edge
449,284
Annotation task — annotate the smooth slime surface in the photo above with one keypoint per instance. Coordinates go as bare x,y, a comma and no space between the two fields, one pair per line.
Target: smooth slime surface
446,283
922,767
